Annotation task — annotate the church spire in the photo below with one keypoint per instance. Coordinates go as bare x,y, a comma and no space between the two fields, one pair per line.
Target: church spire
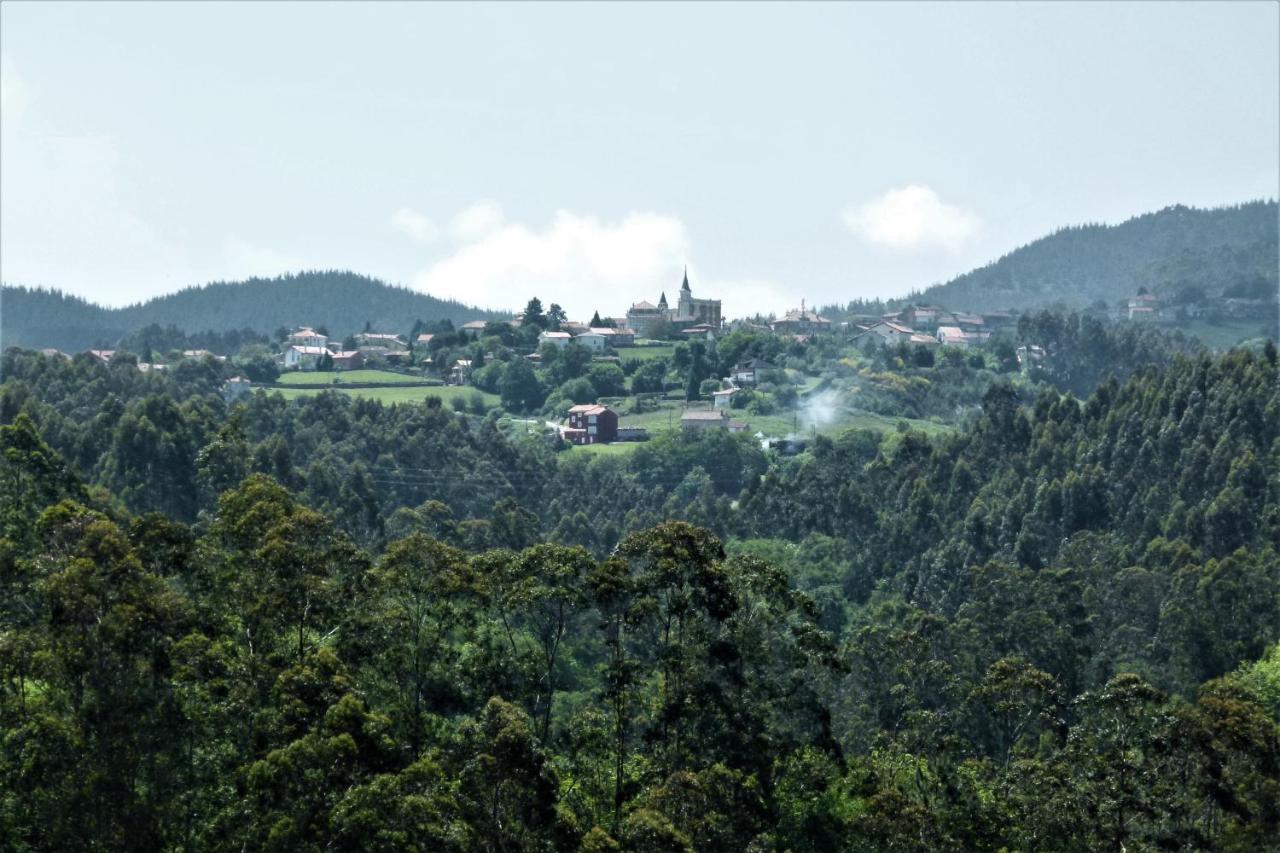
662,301
685,286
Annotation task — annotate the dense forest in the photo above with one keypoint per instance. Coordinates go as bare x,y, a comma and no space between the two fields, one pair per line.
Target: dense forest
1226,251
332,624
343,302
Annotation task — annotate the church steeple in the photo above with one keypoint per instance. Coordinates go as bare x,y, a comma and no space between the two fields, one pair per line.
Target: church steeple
685,286
662,300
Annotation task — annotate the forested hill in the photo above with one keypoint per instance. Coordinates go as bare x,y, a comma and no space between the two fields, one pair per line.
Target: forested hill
341,301
330,624
1226,251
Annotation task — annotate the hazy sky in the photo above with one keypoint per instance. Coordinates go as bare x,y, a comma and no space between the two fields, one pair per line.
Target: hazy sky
586,152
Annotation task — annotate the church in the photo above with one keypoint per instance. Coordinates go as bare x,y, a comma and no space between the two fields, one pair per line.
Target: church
689,311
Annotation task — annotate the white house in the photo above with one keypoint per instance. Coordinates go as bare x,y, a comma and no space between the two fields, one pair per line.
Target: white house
235,388
748,372
305,336
303,357
380,339
891,331
723,399
560,339
592,340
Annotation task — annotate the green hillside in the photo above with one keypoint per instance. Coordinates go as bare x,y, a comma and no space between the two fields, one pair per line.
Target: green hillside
343,302
1226,251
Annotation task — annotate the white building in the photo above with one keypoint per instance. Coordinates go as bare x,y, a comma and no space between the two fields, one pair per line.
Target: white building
305,336
303,357
560,339
723,399
236,387
592,340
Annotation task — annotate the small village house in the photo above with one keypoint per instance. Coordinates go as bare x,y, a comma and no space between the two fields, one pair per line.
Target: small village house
952,336
591,424
305,336
299,357
723,399
750,371
560,339
592,340
703,419
348,360
460,373
1143,307
235,388
801,322
920,316
393,343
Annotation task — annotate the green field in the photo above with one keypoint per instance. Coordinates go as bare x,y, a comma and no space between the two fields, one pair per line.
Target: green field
645,353
1227,334
395,395
618,448
310,377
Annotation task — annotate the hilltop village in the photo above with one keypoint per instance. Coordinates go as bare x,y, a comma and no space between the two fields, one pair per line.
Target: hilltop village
659,366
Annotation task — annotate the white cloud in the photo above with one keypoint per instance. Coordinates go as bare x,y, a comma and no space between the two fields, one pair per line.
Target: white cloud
584,264
913,217
419,227
479,220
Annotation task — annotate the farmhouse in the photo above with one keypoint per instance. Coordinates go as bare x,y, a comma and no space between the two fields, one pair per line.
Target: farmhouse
379,339
615,337
704,419
460,374
235,388
749,372
592,424
1143,307
801,322
348,360
305,336
560,339
299,357
723,399
920,316
592,340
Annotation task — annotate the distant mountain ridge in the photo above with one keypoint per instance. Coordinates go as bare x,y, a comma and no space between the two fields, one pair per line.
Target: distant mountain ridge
1168,251
341,301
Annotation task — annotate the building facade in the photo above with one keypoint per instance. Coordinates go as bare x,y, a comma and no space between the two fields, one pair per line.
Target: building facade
592,424
689,311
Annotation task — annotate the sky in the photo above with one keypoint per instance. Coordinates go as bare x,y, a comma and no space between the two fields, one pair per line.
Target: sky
586,153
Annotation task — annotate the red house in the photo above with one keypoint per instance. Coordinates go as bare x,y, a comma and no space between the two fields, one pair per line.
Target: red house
592,424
